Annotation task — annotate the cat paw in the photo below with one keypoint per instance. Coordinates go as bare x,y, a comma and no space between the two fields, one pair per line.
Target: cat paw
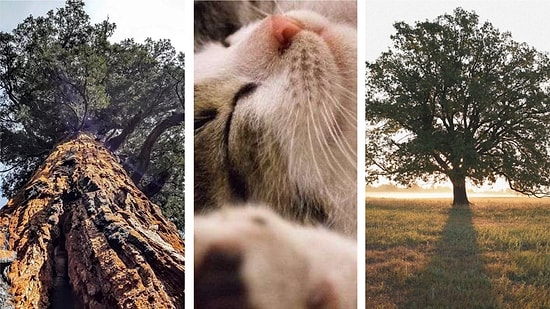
218,283
251,258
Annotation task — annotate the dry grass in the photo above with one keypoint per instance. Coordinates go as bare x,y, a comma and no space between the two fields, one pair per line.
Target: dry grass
426,254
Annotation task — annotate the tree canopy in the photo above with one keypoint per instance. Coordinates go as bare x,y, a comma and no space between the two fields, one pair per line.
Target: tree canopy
60,74
455,98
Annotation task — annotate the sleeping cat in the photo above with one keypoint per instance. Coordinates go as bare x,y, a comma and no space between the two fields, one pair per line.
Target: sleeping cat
275,127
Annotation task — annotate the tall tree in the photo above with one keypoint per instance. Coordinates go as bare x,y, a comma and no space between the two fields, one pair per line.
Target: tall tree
59,74
457,99
80,234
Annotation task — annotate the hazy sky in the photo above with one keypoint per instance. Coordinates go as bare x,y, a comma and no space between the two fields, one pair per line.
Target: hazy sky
527,20
158,19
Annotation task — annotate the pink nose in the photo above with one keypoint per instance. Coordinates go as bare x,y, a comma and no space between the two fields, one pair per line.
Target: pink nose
284,29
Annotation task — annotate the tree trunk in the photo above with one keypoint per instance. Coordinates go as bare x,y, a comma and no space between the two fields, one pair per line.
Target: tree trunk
459,191
83,236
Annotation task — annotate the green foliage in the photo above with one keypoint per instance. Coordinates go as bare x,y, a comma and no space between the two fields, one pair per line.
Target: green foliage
60,74
455,98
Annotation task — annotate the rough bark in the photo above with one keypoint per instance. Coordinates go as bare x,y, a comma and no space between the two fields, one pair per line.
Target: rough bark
85,237
459,191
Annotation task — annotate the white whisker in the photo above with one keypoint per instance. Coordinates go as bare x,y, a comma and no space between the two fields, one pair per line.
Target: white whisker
332,125
260,11
279,7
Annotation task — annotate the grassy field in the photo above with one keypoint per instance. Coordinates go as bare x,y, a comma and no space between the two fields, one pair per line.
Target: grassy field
427,254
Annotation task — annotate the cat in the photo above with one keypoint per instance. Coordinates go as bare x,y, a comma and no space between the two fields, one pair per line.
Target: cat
275,127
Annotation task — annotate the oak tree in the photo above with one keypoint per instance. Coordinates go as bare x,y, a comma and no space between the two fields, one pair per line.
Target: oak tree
457,99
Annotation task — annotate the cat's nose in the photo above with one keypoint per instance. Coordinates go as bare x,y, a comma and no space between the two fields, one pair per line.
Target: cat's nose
284,29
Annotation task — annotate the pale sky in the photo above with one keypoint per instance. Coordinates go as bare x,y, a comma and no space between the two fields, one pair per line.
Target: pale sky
158,19
527,20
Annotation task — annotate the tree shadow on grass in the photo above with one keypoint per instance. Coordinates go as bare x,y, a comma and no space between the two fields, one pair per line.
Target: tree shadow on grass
455,276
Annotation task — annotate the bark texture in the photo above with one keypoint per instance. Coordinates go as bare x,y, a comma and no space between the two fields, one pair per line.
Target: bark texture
85,237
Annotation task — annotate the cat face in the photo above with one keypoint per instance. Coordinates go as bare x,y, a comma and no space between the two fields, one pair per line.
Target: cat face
275,119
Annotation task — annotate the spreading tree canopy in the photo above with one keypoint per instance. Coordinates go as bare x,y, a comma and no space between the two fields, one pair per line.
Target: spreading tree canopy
458,99
60,74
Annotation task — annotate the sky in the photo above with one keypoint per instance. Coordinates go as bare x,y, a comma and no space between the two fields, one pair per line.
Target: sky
158,19
527,20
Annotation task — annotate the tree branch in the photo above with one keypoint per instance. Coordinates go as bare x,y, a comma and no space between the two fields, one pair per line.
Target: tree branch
144,157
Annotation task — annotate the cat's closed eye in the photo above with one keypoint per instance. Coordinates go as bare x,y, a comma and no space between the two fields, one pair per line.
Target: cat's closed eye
244,91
